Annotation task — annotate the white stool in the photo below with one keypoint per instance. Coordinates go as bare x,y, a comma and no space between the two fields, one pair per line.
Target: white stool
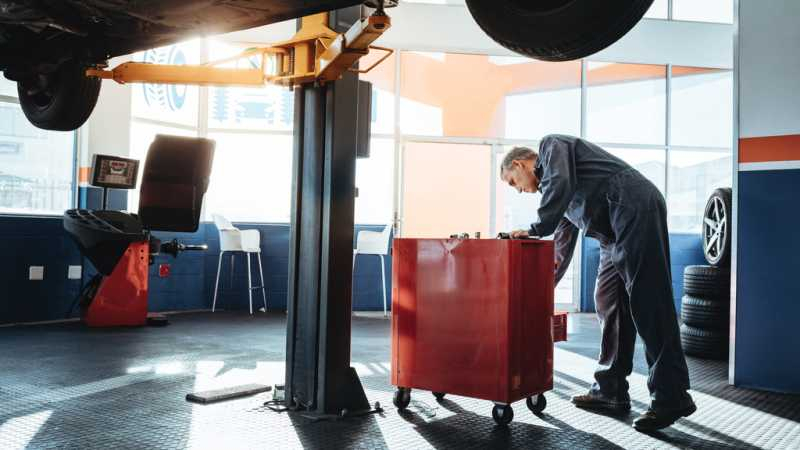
232,239
374,243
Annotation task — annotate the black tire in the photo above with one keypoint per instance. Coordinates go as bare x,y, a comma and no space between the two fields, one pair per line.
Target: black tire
709,344
539,405
707,282
59,101
705,313
557,30
503,414
439,396
718,209
402,398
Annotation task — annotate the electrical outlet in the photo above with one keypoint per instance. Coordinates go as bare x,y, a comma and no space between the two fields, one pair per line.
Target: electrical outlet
36,273
74,273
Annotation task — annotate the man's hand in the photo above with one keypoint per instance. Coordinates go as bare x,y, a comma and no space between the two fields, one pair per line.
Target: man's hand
519,234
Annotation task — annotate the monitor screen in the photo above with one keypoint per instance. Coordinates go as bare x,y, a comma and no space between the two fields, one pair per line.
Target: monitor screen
114,172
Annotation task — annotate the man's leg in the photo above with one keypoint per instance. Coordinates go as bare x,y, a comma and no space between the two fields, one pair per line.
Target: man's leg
610,390
641,255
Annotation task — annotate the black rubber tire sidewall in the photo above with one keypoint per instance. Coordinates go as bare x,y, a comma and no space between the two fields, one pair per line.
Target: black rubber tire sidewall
707,282
704,313
74,98
574,31
726,195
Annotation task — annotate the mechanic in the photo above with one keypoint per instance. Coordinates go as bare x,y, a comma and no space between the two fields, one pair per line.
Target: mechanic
584,187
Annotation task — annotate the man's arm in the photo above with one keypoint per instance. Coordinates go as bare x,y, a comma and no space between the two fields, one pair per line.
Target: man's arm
565,238
557,185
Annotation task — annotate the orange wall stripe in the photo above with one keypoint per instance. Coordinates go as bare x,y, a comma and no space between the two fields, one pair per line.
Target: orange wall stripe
769,148
83,174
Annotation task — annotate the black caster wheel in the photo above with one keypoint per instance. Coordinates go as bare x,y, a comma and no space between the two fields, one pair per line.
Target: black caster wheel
537,403
402,397
502,414
439,396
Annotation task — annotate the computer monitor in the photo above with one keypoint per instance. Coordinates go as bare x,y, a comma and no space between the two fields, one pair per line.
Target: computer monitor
114,172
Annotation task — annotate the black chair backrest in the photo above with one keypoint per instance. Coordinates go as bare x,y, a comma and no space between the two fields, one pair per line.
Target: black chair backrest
174,181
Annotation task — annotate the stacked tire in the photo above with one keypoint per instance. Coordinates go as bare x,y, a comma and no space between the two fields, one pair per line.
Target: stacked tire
705,307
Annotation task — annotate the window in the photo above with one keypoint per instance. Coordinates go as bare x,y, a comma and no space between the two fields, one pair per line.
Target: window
650,162
251,179
375,183
626,103
7,87
702,107
383,91
693,176
448,94
176,104
703,11
36,166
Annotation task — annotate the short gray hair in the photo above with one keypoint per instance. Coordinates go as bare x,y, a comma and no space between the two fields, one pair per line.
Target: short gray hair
517,154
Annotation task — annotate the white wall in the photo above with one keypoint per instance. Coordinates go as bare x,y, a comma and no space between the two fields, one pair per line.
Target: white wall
769,68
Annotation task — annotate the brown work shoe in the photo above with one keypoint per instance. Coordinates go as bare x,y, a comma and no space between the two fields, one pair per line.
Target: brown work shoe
598,401
656,419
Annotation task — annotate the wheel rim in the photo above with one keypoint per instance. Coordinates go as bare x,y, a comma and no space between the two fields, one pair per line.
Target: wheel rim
715,229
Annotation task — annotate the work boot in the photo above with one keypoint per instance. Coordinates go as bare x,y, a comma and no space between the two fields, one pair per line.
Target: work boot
656,419
598,401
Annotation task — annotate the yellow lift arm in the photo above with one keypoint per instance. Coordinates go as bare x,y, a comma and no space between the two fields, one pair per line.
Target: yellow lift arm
315,54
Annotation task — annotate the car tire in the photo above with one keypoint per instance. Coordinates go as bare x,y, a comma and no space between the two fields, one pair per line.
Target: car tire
59,101
717,228
706,314
557,30
708,344
707,282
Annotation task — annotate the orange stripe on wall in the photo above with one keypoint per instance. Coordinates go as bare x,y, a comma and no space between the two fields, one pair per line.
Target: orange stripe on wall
83,174
769,148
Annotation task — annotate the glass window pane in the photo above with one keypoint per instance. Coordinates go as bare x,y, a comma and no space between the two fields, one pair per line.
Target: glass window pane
702,107
163,102
383,89
251,178
435,204
703,10
693,176
36,166
659,10
626,103
7,87
142,135
448,94
375,183
650,162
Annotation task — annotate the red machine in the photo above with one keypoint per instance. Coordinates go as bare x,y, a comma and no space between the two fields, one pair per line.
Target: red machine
474,317
120,245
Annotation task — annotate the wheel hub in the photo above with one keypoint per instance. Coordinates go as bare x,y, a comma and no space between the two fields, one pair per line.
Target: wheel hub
714,229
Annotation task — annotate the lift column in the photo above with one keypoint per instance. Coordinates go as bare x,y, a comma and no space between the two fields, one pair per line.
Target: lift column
318,373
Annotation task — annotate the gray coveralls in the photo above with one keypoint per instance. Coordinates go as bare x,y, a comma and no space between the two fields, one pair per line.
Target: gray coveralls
584,187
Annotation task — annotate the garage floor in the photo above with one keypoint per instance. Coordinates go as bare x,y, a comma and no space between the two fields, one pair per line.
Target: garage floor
65,386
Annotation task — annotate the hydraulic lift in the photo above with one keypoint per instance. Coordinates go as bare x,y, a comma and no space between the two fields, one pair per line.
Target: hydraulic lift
320,64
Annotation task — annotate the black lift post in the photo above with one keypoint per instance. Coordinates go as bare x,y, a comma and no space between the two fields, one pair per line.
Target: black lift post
319,378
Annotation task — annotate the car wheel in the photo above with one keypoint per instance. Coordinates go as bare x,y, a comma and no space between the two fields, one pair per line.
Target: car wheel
717,228
707,282
710,344
62,100
557,30
707,314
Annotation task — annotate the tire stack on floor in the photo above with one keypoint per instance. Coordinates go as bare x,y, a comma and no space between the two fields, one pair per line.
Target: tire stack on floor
705,307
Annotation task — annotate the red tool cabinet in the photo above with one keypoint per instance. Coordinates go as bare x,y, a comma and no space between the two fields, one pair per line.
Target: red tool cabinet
474,317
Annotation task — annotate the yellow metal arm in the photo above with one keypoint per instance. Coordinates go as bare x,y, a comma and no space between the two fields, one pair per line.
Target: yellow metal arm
315,54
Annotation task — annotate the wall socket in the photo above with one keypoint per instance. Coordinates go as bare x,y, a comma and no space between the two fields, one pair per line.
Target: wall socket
36,273
74,273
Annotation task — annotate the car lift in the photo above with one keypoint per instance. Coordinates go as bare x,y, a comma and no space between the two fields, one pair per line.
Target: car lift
320,61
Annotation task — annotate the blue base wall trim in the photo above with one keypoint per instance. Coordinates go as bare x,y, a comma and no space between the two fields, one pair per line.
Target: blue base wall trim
685,250
28,241
768,293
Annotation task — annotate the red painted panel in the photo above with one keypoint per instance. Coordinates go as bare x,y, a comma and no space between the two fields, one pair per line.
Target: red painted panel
122,297
473,317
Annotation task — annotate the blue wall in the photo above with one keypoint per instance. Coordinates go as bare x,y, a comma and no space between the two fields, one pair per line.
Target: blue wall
42,241
685,250
768,294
